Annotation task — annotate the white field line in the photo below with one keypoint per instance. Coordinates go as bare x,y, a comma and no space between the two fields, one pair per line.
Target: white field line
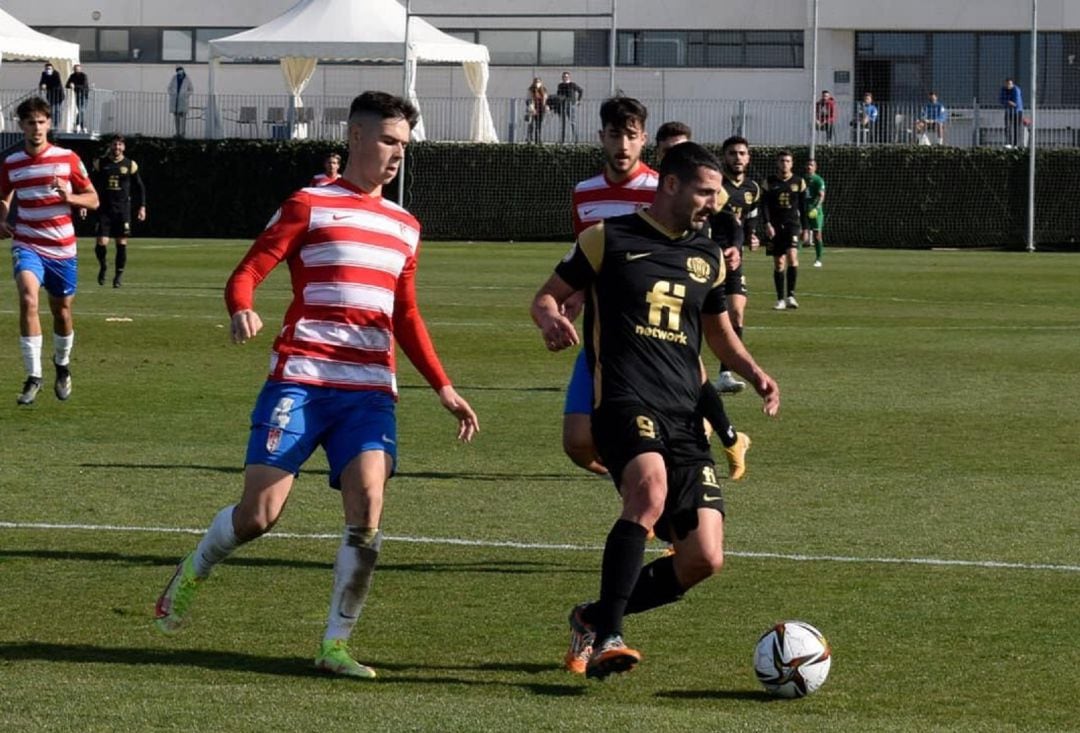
990,564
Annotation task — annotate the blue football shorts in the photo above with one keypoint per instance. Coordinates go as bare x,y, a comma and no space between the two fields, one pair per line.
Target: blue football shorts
291,420
60,277
579,393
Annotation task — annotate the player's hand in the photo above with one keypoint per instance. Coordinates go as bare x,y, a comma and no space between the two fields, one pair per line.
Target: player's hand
245,324
559,333
769,390
468,424
732,258
754,242
769,231
141,216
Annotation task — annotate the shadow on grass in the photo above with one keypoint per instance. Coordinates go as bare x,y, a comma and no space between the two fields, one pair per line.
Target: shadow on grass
434,475
757,695
497,567
36,651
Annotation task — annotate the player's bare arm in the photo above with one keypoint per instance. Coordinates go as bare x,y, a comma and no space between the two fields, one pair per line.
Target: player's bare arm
245,324
547,313
728,347
6,232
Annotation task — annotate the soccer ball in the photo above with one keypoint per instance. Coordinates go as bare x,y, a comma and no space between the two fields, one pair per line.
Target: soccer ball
792,659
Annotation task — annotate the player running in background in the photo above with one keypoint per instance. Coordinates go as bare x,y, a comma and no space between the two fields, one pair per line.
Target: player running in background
784,212
46,181
623,186
352,256
731,229
331,171
114,174
655,288
815,211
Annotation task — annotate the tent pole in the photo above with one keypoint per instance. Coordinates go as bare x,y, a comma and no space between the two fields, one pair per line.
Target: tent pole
404,95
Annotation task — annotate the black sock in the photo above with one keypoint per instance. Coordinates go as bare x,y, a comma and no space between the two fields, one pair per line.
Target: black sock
121,258
656,586
711,408
101,251
792,276
623,554
778,281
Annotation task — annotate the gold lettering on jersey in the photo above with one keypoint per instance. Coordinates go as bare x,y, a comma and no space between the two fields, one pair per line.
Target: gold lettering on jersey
784,200
665,297
699,269
646,427
708,477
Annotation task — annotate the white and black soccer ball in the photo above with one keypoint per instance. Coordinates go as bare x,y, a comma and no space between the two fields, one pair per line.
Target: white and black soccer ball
792,659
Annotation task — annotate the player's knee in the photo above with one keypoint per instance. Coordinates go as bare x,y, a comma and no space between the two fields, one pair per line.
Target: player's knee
578,444
252,522
643,498
697,566
28,302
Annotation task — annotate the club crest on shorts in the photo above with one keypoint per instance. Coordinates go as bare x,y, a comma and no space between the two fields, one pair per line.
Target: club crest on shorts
699,269
273,439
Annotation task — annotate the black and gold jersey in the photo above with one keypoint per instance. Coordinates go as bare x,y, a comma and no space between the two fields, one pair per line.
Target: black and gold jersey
647,290
784,202
735,222
113,179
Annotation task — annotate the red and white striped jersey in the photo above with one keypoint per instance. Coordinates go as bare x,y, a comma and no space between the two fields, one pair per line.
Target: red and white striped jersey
352,259
321,179
597,198
43,222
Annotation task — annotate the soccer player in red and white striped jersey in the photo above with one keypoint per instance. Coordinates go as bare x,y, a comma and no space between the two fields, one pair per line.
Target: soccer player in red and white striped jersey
46,181
352,257
331,171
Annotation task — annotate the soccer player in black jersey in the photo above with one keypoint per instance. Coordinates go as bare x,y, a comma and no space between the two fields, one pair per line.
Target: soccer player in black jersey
113,176
655,288
784,212
731,228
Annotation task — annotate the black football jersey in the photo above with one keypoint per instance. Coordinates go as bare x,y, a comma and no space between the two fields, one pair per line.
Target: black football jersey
784,202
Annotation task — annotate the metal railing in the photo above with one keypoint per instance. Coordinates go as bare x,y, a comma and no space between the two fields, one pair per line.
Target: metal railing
763,122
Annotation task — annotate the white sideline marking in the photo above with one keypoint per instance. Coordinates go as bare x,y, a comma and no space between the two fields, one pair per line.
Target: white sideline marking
994,564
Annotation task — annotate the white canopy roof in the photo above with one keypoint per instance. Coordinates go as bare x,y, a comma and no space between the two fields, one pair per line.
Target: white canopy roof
359,30
20,42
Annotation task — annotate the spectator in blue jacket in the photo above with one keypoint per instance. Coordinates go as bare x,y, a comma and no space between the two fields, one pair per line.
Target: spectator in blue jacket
934,116
1012,99
868,117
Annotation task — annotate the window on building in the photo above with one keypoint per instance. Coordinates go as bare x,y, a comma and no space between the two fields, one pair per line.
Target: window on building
556,48
176,45
513,48
203,36
711,49
145,45
591,48
113,44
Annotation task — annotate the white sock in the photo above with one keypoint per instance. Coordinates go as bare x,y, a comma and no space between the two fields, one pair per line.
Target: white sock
30,348
62,348
355,564
217,544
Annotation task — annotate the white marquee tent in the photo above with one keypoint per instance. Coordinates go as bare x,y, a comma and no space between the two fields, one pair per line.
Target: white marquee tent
359,30
20,42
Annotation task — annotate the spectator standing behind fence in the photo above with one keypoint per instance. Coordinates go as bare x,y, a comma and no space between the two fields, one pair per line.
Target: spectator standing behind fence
79,83
825,113
54,93
867,119
538,95
1012,99
933,117
568,94
180,90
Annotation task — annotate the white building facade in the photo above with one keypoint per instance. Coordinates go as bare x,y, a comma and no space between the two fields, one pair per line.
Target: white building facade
724,57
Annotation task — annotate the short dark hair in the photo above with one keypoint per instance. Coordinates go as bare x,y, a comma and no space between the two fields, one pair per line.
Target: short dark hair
672,129
333,156
33,106
386,106
785,153
619,111
683,161
735,140
117,138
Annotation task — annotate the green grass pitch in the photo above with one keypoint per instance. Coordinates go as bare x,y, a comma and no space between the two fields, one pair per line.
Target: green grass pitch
917,500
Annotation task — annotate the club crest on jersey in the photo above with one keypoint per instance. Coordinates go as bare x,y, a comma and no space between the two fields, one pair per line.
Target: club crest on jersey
748,197
699,268
795,187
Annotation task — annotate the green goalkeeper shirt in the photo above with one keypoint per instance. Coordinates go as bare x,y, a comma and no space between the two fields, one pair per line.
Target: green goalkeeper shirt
815,187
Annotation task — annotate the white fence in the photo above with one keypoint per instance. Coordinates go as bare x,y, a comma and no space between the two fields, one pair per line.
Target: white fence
449,119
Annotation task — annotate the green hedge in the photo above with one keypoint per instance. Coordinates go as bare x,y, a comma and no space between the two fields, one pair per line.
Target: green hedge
881,196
